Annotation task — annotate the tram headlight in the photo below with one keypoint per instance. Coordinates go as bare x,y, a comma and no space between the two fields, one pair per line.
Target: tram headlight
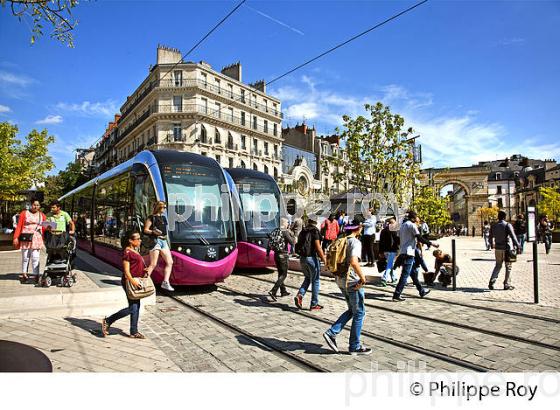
259,242
227,249
188,251
180,248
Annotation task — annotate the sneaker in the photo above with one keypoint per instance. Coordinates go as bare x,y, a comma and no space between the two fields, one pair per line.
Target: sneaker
298,300
509,287
137,335
383,284
165,285
285,294
104,327
362,350
491,286
316,307
399,299
331,341
425,292
272,296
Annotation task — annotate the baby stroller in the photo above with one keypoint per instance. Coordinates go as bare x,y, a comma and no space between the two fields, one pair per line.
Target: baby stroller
61,252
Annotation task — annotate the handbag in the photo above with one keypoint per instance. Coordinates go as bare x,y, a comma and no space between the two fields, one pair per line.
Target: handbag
511,255
147,289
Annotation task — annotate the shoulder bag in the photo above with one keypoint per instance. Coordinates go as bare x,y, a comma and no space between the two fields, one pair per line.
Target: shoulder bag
147,288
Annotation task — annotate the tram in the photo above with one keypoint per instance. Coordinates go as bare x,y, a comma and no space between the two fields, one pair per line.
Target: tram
258,202
201,230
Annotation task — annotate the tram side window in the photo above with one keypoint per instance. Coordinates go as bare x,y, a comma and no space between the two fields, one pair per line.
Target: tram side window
111,212
144,200
82,213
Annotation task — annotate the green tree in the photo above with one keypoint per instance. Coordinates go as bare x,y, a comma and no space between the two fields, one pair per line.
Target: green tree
66,180
489,214
432,208
378,156
22,165
550,203
57,14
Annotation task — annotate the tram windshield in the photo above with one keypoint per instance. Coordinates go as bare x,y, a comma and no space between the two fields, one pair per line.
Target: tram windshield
197,211
260,201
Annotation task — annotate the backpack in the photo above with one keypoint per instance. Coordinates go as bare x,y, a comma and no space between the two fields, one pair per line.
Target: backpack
276,241
336,257
304,245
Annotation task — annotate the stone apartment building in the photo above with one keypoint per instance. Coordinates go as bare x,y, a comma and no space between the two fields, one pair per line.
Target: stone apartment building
191,107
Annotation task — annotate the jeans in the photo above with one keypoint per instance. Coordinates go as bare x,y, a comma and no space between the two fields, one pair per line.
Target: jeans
356,311
487,242
312,272
547,242
281,260
390,261
408,270
521,240
133,310
500,259
34,256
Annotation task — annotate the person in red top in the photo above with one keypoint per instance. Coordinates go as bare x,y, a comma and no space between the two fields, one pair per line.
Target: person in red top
330,230
28,237
133,267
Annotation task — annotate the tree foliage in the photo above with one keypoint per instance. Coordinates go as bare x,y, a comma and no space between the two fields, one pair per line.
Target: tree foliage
66,180
550,203
489,214
22,165
431,207
378,155
57,14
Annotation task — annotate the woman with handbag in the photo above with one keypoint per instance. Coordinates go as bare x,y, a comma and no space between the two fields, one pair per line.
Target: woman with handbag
156,228
28,237
136,283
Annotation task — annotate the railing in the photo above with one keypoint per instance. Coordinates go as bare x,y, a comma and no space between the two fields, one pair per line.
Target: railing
138,99
135,123
232,146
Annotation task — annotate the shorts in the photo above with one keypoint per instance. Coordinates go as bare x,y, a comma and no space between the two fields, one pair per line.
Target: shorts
160,245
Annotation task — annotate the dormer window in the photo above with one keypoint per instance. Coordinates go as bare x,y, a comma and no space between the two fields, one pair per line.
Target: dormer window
498,175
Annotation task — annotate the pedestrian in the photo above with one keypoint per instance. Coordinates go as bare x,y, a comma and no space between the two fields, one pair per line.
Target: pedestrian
28,237
409,235
329,231
388,247
308,247
425,230
444,267
341,220
133,267
545,232
156,228
368,238
486,235
520,229
61,219
351,284
279,241
500,234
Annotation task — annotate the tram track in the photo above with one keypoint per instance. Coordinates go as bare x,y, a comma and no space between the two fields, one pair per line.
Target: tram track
436,320
302,363
464,364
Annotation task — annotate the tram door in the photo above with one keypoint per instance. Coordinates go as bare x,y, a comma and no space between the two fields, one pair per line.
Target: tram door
143,197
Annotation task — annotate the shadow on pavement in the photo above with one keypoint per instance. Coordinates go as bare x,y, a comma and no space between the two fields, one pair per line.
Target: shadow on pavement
93,326
111,282
188,290
253,271
483,260
286,345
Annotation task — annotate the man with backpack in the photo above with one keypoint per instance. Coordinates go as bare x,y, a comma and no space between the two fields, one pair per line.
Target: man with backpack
500,235
344,262
279,239
308,247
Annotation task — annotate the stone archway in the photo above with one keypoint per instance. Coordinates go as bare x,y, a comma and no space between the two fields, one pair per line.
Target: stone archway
474,181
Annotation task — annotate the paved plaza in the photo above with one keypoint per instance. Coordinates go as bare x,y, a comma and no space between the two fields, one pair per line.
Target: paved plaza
470,325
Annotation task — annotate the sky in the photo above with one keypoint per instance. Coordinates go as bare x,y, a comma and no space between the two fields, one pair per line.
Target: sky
477,80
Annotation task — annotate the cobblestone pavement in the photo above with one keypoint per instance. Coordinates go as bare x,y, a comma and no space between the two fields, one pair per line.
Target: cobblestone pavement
75,345
489,351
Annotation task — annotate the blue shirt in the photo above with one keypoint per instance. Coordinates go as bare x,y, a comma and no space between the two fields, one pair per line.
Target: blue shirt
407,234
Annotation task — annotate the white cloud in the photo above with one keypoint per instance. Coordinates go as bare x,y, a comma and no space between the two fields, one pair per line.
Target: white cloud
14,85
51,119
4,109
454,139
91,109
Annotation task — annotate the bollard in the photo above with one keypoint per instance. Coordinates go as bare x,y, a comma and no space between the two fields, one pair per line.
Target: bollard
453,257
535,272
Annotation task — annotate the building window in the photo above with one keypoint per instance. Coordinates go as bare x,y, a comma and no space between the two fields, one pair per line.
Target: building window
242,118
499,189
243,142
177,132
243,96
242,164
255,167
265,105
266,126
178,78
255,100
254,122
498,175
265,169
203,135
217,137
230,160
266,148
500,203
205,106
177,103
255,146
275,172
217,84
230,90
230,141
275,108
276,150
230,110
218,159
204,79
218,110
275,129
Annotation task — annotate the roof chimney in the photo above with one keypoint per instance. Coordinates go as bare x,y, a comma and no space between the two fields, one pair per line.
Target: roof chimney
233,71
168,55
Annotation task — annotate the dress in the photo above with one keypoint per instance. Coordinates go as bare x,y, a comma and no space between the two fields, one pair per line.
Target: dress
29,223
